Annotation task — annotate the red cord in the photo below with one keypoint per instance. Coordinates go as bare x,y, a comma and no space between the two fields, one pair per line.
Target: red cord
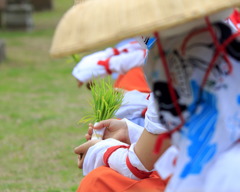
219,49
189,36
169,79
105,64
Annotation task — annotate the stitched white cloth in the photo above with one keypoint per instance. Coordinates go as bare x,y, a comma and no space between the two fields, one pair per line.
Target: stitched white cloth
126,61
88,68
130,55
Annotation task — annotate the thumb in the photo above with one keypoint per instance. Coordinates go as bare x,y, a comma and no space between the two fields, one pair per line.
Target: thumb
102,124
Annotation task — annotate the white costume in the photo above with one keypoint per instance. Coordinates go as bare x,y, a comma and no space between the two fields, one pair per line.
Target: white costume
209,103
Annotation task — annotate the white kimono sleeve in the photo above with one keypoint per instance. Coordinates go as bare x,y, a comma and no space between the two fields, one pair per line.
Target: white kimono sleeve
88,67
124,62
116,161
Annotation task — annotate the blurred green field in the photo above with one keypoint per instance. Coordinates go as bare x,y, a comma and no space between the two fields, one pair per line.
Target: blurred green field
39,108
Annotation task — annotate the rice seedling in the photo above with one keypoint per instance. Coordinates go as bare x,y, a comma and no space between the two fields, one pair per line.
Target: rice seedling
76,58
105,101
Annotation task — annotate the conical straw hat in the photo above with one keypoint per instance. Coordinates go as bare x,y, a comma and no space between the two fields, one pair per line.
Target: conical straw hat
97,23
79,1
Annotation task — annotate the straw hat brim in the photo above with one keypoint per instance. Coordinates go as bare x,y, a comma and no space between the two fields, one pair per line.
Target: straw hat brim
96,23
79,1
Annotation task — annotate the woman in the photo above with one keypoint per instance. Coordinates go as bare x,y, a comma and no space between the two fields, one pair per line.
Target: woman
193,70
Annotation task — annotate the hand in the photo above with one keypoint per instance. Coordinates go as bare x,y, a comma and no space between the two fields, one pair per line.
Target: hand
79,83
81,151
116,129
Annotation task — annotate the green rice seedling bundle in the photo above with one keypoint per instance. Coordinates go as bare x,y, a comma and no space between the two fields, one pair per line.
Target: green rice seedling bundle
105,102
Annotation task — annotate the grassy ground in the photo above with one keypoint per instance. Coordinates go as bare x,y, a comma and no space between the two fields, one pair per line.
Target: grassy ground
39,108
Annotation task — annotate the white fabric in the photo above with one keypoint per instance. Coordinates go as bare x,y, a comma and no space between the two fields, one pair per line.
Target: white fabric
88,68
124,62
152,123
135,161
94,156
220,175
165,165
233,20
134,130
134,102
138,120
233,27
117,161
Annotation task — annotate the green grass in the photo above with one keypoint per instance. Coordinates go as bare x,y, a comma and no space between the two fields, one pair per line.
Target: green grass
40,106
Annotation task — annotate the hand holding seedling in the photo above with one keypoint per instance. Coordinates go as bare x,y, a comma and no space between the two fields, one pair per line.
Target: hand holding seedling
116,129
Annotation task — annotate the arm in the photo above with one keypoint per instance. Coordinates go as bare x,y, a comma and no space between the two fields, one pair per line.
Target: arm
120,62
140,155
145,146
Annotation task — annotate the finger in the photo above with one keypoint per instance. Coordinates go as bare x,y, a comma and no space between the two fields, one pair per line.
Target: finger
85,146
80,160
82,148
102,124
88,137
90,130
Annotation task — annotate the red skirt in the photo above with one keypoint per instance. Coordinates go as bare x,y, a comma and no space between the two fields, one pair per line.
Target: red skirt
105,179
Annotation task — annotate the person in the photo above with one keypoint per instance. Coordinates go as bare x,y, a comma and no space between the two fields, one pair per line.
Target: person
193,70
125,59
128,133
190,174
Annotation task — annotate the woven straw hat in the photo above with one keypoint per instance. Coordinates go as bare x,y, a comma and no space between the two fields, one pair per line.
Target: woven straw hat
79,1
97,23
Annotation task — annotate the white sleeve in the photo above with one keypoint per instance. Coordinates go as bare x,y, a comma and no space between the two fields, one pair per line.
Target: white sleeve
88,67
134,102
94,156
152,123
134,131
125,61
116,161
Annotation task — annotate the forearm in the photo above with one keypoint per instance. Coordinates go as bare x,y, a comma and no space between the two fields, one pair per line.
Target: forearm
145,146
116,155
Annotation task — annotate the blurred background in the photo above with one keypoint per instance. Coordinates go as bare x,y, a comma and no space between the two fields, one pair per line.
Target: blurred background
40,103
